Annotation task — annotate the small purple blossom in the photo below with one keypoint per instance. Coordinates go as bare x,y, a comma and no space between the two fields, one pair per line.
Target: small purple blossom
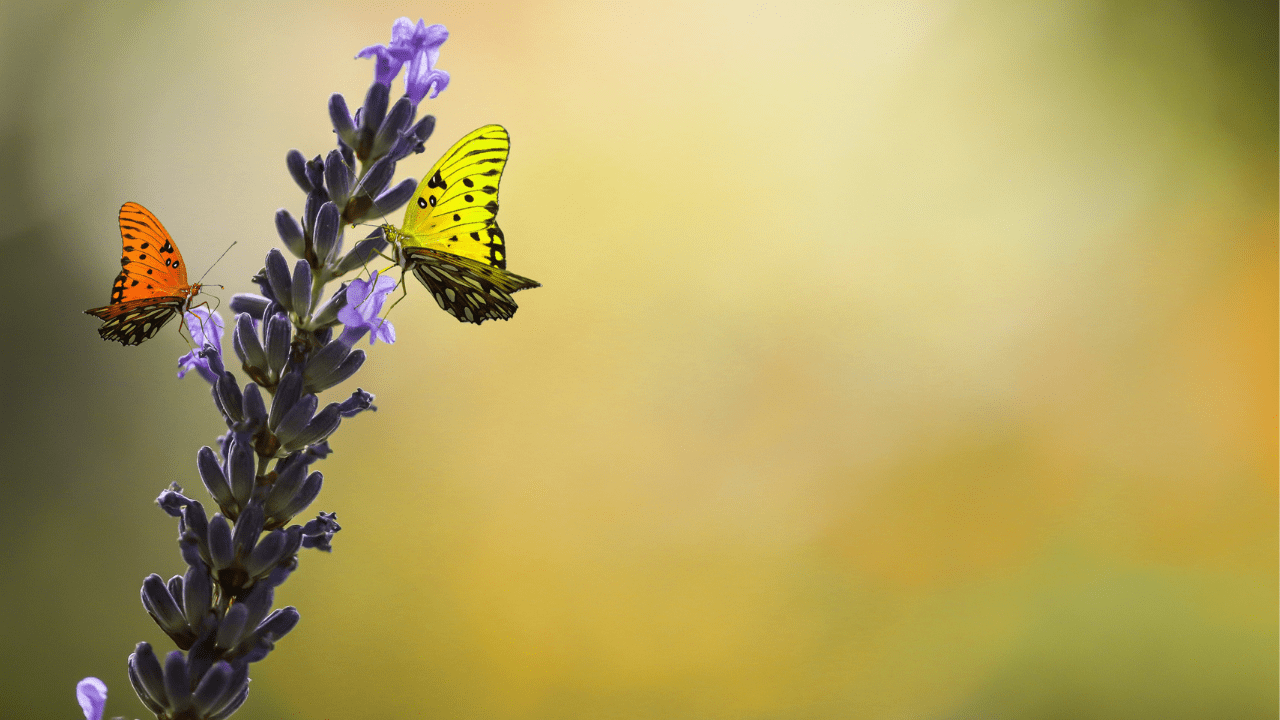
360,314
205,327
418,45
91,693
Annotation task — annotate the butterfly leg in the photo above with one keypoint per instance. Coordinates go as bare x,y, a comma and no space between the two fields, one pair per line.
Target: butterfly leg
183,320
404,292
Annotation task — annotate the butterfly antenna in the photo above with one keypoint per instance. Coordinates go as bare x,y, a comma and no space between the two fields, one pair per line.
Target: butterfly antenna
215,262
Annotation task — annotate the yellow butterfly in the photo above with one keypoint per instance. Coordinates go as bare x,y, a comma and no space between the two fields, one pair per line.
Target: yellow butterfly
450,238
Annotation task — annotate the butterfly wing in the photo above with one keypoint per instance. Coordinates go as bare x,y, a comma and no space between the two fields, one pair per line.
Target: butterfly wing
151,263
467,289
132,321
451,240
152,285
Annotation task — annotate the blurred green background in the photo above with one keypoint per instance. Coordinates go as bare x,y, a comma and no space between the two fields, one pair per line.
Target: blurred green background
894,360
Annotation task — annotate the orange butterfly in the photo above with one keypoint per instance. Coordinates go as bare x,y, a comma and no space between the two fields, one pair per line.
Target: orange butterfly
152,285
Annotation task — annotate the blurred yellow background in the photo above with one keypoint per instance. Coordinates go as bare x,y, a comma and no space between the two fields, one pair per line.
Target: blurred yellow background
893,360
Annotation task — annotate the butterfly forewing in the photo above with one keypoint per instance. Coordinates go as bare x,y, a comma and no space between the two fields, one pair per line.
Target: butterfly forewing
152,285
456,207
151,263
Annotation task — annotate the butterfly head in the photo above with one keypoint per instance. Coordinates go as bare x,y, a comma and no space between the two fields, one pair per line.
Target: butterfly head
397,238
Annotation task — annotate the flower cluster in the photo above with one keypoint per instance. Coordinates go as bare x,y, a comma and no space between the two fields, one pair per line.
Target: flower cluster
284,338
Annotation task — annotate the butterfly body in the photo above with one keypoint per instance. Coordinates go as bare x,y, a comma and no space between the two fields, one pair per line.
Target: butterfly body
450,239
152,285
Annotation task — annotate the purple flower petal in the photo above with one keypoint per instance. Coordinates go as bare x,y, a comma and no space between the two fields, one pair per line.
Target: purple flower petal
205,327
418,45
91,693
364,301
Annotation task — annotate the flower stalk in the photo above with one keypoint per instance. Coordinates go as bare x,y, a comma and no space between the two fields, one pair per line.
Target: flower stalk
293,340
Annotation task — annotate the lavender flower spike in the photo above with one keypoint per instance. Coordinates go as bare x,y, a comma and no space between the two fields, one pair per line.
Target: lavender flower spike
91,693
418,45
360,315
205,327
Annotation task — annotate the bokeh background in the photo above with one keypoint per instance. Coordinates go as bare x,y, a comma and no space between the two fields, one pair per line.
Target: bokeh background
894,360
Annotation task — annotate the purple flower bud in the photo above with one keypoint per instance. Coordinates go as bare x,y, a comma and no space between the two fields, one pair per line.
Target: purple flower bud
255,412
321,426
266,554
248,528
338,178
213,358
221,551
288,392
174,587
147,678
327,313
391,200
255,305
302,288
317,533
291,233
278,276
286,486
229,398
374,108
315,172
328,233
392,126
303,497
212,476
339,376
162,608
411,141
297,418
293,539
356,404
315,199
244,338
298,169
172,501
197,595
213,687
377,177
239,686
279,623
341,119
232,627
364,251
325,361
195,524
281,572
314,452
91,693
423,128
258,600
241,470
177,683
279,335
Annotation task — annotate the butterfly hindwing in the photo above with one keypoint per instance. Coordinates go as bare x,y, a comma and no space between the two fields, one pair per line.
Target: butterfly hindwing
152,285
131,322
467,289
450,239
